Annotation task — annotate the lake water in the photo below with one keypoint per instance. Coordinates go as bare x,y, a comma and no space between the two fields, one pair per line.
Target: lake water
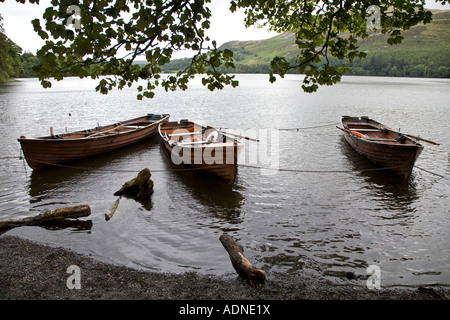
327,216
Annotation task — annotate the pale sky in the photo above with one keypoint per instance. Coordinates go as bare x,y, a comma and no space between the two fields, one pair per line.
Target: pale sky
225,26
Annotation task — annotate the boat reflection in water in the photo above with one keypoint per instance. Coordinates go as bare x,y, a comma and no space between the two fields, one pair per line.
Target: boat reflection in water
384,186
92,181
223,199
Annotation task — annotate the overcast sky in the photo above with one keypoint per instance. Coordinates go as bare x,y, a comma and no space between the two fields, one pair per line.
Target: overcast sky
225,26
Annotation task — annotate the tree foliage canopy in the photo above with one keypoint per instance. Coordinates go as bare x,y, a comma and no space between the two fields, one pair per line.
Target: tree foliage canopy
112,34
331,28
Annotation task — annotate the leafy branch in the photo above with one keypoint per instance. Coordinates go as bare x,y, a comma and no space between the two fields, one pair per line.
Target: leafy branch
328,28
114,33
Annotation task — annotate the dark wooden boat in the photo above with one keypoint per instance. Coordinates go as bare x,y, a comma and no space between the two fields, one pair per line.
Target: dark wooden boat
56,149
381,145
202,147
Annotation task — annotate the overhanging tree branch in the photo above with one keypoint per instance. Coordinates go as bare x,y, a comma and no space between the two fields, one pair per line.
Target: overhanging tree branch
114,33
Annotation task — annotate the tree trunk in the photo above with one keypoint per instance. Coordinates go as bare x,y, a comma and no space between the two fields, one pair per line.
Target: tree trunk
57,214
139,188
242,266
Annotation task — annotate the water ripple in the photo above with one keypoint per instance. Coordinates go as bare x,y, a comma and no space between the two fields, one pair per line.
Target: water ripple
322,224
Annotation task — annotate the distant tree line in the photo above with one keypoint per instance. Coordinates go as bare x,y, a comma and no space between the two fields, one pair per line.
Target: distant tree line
426,63
429,64
14,63
10,60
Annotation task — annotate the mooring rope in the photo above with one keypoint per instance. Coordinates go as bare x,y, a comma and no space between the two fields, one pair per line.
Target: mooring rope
295,129
431,172
21,157
319,171
306,128
61,165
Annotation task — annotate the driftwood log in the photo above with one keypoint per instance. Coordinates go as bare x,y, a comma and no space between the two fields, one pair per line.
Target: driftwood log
240,263
139,188
51,215
112,209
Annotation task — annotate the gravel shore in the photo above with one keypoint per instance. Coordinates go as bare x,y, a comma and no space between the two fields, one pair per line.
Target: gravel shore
31,271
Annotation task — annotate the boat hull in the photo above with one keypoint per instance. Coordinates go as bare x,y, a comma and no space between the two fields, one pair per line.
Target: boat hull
399,157
218,159
47,151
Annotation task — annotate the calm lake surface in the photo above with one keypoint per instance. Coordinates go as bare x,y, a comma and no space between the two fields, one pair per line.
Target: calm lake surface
328,217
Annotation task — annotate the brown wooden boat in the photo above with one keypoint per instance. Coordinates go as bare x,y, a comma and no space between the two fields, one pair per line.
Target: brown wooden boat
202,147
56,149
381,145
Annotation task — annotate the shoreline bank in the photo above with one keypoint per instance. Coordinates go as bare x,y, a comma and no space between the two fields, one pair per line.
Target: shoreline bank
32,271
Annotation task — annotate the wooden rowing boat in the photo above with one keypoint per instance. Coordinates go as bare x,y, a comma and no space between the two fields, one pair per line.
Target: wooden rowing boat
381,145
56,149
202,147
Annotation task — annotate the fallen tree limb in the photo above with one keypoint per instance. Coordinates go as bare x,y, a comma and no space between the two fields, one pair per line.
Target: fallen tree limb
240,263
51,215
112,209
139,188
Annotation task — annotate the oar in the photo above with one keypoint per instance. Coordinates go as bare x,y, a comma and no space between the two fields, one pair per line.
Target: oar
408,135
239,136
101,132
349,131
419,138
411,136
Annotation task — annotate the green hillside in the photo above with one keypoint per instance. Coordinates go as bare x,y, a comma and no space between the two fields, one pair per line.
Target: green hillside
424,52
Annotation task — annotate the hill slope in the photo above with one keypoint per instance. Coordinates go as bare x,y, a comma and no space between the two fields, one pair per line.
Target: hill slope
424,52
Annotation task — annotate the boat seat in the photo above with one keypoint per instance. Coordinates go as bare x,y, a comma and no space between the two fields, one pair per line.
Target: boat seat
381,140
368,125
184,134
368,130
193,143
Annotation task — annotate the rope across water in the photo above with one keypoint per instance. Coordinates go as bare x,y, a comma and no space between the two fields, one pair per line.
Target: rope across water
242,165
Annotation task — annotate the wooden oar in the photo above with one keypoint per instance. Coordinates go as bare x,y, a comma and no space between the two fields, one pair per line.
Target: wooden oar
419,138
101,132
414,137
408,135
349,131
239,136
367,138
